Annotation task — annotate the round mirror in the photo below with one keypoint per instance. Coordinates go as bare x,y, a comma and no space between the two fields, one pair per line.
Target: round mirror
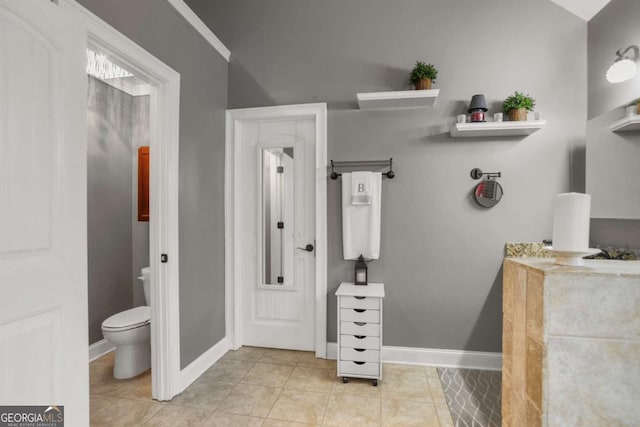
488,193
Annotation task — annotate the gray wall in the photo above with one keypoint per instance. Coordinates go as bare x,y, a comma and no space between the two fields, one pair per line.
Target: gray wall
139,229
441,255
159,29
109,207
118,245
615,27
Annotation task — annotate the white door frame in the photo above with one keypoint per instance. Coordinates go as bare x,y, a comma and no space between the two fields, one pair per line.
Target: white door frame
163,181
233,289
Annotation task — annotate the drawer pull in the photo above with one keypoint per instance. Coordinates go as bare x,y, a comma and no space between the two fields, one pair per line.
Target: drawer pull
360,297
360,323
360,337
359,310
359,363
359,349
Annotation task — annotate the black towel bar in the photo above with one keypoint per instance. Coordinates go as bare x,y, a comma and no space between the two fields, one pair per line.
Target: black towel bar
384,163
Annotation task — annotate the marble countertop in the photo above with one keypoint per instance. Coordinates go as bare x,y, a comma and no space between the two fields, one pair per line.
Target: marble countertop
592,267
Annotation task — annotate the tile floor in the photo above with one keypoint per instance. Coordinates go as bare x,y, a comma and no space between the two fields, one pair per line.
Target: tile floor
270,388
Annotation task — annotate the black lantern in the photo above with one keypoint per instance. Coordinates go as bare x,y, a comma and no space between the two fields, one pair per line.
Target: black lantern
361,272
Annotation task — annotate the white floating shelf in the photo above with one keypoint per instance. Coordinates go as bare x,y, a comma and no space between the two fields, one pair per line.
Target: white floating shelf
474,130
398,99
627,124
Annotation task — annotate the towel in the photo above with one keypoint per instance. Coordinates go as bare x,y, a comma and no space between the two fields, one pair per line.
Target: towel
361,188
361,223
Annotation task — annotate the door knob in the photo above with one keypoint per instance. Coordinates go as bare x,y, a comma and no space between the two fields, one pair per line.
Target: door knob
308,248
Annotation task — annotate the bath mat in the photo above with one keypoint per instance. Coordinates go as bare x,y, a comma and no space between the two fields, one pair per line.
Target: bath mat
473,396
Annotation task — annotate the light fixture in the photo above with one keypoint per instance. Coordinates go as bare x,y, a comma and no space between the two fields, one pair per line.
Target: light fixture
624,68
100,67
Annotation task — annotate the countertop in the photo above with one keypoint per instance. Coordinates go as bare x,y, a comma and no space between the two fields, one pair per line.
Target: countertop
592,267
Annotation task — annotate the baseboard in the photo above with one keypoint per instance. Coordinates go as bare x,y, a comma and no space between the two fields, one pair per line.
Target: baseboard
99,349
434,357
196,368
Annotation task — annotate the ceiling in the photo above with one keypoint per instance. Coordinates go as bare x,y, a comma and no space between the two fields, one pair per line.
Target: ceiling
585,9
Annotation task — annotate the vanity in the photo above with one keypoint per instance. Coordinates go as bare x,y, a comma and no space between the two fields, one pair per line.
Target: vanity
571,343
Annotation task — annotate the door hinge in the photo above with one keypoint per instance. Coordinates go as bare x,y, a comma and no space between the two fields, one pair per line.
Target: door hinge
164,258
280,169
280,224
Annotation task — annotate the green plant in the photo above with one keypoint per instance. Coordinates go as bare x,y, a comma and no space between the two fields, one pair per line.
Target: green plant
635,102
423,71
517,101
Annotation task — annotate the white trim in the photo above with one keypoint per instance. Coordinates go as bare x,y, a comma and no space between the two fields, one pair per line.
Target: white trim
99,349
128,88
200,27
164,224
233,294
198,367
321,232
434,357
230,318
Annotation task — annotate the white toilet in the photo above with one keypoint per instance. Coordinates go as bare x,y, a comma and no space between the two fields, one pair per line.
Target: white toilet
130,332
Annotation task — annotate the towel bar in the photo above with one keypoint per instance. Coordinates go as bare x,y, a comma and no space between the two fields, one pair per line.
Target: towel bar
385,163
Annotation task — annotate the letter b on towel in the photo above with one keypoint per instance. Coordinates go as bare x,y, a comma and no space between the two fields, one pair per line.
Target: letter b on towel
360,188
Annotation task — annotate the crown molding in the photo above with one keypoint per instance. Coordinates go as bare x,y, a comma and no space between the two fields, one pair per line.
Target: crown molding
193,19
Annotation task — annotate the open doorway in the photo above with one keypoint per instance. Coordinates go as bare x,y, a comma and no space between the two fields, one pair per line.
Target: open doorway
118,243
161,84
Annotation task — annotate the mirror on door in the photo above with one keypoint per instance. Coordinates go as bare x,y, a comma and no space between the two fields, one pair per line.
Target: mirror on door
277,216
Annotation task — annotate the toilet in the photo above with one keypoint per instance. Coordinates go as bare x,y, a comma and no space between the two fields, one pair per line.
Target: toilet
130,332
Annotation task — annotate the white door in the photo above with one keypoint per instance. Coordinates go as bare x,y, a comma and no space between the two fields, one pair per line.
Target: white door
43,280
277,216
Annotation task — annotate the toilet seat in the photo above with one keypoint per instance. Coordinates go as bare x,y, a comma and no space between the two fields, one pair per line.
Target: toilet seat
128,319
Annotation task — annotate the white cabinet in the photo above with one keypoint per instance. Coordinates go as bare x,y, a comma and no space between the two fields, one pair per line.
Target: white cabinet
360,331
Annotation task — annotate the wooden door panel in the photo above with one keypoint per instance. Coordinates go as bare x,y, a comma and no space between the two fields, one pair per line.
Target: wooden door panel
143,184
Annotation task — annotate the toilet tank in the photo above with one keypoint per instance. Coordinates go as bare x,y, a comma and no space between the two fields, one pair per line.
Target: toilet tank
146,283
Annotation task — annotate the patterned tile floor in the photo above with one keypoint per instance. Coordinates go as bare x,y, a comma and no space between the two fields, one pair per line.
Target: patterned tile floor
473,396
270,388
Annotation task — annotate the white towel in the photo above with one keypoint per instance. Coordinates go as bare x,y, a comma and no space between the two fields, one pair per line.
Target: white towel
361,188
361,223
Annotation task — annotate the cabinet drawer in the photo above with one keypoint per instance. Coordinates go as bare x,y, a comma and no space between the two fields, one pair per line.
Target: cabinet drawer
358,341
359,315
366,329
361,356
348,367
360,302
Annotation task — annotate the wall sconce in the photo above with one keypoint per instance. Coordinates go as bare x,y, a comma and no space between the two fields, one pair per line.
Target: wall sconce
624,68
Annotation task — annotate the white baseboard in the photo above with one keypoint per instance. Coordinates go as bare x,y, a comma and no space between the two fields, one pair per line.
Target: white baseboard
99,349
196,368
434,357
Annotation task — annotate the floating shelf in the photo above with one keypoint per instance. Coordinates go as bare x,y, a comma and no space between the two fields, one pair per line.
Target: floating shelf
474,130
398,99
627,124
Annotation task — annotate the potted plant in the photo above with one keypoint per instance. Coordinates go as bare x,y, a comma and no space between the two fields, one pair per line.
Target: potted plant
423,75
517,105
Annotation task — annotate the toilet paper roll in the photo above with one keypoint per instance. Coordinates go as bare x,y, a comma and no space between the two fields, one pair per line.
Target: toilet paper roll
571,213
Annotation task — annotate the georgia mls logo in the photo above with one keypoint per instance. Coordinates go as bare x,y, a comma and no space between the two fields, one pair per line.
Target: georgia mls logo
32,416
